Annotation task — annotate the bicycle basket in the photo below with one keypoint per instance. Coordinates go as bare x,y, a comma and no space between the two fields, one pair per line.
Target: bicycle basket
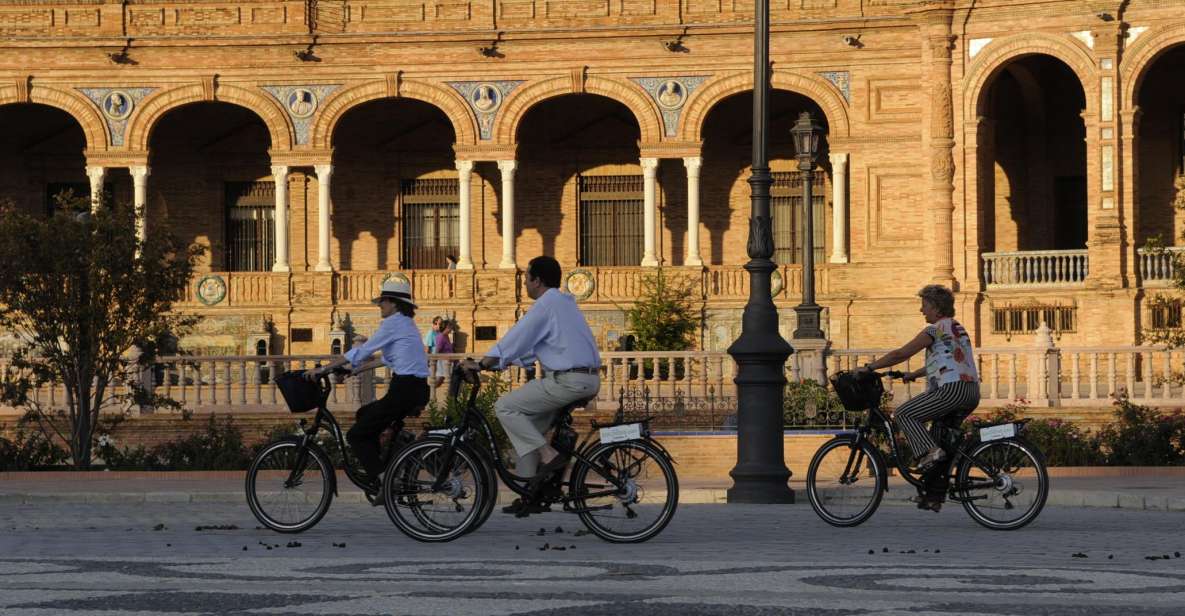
300,394
858,391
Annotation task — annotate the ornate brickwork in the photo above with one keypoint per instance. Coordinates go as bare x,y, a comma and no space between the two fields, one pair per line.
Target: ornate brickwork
301,103
671,94
720,88
484,99
161,102
116,105
630,95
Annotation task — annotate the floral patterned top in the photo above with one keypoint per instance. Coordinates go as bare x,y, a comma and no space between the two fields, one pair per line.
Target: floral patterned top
948,358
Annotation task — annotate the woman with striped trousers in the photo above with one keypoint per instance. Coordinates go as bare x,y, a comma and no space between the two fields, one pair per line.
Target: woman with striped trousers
952,381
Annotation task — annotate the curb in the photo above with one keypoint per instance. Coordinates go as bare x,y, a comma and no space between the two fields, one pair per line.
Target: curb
1084,499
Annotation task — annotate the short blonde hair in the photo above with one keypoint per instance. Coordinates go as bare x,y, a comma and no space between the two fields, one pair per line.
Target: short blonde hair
940,297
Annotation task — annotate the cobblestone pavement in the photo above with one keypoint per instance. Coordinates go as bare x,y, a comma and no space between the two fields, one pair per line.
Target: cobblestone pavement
63,559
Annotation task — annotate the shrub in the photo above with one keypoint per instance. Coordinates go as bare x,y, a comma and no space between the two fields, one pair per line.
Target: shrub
29,450
807,403
218,447
449,413
1141,436
1063,443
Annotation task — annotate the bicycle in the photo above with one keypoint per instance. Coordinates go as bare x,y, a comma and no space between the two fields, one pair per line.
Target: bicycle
622,483
291,482
993,472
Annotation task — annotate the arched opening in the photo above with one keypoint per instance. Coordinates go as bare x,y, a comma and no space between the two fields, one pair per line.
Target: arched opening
395,191
725,193
584,205
41,155
211,184
1161,148
1032,158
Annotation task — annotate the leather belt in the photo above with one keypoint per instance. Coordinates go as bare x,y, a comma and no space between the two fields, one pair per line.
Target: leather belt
579,370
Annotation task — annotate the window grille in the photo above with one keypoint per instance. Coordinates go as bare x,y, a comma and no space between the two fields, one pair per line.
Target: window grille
1010,320
611,219
431,222
1166,315
789,220
250,226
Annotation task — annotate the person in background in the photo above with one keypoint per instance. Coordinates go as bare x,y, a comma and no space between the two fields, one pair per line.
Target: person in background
452,261
444,344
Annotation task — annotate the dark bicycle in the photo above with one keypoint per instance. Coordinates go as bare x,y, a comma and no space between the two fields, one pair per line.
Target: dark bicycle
997,475
622,483
291,482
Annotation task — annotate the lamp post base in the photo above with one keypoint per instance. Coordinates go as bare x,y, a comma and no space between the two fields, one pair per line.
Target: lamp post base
760,486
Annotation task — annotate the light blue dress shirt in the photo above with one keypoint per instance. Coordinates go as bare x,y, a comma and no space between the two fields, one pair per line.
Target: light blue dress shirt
554,331
400,343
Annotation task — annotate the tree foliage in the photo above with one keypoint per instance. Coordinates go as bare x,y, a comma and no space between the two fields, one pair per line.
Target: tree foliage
81,293
667,315
1169,336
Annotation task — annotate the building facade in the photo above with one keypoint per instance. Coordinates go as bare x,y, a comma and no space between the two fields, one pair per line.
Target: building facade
1023,152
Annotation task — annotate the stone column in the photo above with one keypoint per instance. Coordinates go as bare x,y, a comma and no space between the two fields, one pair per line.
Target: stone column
96,174
140,200
280,176
693,164
650,211
839,207
507,168
324,175
464,173
941,146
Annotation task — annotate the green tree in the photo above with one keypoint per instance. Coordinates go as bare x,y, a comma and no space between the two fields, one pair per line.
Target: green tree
80,292
1170,336
667,315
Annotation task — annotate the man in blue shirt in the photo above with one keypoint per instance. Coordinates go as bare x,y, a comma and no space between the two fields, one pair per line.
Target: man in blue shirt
555,333
403,352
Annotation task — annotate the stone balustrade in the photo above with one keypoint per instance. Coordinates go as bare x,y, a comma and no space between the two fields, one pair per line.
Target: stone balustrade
1158,265
1033,268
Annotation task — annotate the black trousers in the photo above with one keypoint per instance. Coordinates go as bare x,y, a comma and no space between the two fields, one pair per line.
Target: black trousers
406,397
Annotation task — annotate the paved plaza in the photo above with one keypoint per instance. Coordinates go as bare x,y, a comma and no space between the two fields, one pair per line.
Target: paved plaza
113,559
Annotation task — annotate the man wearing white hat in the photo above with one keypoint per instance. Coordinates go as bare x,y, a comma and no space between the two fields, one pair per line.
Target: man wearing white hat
398,339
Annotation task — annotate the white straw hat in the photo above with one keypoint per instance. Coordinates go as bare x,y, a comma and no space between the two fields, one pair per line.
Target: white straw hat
396,289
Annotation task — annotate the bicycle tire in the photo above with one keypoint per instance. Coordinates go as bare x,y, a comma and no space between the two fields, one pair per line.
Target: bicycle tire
491,483
276,459
823,497
580,485
1005,484
413,471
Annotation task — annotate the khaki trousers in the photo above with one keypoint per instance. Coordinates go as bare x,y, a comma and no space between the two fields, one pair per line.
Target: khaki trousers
526,413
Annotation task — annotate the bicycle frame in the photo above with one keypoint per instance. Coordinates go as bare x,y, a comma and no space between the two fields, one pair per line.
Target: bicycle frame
878,420
472,418
308,440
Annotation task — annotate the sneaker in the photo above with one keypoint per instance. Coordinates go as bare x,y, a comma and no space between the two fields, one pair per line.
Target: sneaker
522,509
928,502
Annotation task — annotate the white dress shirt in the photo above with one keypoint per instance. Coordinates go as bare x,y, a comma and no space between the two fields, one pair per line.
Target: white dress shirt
399,340
554,331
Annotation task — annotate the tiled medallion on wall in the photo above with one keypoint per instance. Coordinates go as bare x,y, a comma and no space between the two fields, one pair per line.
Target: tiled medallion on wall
671,94
301,104
485,99
117,105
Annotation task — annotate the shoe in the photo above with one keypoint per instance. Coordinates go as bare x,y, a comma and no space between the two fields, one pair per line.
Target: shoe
557,465
928,502
374,494
521,510
927,462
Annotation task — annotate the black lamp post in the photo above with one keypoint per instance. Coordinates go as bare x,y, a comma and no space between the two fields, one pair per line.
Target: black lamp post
760,353
806,133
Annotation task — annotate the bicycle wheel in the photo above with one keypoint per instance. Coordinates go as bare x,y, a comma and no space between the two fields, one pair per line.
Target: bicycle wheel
1008,486
644,504
845,483
289,490
488,504
427,514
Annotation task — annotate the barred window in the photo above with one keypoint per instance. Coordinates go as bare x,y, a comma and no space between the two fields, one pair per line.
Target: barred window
1011,320
250,226
789,220
611,219
431,222
1166,315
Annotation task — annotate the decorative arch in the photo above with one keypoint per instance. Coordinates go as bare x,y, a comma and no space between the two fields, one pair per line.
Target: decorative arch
81,109
1000,52
144,119
817,89
1143,53
449,102
522,100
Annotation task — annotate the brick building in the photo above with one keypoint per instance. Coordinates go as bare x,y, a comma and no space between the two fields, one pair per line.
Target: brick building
1022,151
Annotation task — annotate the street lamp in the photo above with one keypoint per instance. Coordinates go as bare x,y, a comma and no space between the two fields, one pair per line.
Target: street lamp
760,353
806,134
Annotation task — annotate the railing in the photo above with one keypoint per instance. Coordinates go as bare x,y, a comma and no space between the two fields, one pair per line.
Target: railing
1158,264
427,285
1034,268
1042,374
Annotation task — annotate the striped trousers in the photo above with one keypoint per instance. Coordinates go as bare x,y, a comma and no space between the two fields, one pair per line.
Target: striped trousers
960,396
